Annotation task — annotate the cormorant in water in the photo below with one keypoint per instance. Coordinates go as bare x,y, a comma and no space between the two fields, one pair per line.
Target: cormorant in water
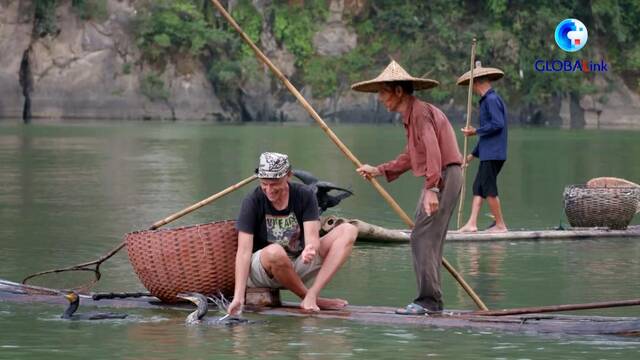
202,304
322,189
74,303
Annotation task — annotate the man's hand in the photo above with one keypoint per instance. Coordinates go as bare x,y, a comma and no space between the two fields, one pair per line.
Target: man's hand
468,159
235,308
468,131
367,171
430,202
309,253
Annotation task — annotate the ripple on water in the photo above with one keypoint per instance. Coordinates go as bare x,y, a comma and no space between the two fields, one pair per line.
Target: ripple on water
401,334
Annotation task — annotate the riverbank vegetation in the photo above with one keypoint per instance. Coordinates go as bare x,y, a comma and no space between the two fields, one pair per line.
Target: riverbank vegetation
430,38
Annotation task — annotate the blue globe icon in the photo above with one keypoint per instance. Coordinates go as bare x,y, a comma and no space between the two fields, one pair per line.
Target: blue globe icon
571,35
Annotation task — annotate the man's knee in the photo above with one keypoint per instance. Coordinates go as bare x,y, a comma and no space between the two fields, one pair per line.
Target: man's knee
348,232
274,255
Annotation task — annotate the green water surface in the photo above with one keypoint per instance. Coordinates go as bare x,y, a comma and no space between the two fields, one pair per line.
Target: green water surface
70,191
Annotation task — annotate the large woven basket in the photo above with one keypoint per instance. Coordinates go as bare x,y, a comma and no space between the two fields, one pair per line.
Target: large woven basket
611,207
198,258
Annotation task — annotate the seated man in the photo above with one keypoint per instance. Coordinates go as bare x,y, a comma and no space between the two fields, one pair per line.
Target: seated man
278,241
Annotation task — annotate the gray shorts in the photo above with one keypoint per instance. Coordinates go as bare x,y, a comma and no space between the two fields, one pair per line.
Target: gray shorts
258,276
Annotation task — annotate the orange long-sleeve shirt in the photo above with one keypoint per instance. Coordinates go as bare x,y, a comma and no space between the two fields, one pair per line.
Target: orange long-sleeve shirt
431,145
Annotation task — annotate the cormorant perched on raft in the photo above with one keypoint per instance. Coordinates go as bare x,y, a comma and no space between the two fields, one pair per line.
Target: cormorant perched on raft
202,307
322,189
74,303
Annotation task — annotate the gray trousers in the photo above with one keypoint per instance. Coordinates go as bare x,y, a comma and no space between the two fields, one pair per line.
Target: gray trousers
427,239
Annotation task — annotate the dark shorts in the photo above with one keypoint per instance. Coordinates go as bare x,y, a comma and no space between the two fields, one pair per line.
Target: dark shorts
485,183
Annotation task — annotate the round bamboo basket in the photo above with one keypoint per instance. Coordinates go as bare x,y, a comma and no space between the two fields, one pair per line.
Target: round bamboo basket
198,258
611,207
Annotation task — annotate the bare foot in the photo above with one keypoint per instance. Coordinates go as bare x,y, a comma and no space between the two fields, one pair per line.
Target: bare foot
468,228
497,229
314,304
332,304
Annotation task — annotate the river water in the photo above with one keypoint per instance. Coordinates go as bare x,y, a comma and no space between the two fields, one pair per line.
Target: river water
70,191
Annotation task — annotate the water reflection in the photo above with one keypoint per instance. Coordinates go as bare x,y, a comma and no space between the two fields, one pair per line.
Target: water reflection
484,263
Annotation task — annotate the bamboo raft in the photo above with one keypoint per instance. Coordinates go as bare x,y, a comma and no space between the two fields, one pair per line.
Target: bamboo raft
530,324
378,234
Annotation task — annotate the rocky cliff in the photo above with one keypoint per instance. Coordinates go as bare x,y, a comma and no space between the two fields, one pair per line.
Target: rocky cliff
89,70
93,69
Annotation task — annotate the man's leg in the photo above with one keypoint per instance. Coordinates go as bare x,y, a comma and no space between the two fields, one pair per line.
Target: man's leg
277,264
335,248
476,204
472,223
427,241
494,206
492,196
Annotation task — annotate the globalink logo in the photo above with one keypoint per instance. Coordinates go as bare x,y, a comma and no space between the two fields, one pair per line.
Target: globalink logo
571,35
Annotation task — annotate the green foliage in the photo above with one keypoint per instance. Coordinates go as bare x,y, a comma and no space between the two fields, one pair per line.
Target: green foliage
327,74
126,68
167,27
153,88
497,7
324,83
429,38
251,22
91,9
45,18
294,26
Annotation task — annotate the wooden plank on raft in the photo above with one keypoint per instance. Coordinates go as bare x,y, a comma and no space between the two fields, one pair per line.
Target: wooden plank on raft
374,233
381,315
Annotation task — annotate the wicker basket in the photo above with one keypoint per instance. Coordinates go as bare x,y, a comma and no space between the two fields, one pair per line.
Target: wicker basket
611,207
198,258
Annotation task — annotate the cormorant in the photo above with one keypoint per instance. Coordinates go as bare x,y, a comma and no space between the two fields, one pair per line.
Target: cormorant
322,189
74,303
202,307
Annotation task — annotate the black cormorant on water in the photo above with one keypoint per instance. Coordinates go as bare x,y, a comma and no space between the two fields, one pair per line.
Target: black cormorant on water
74,303
322,189
202,307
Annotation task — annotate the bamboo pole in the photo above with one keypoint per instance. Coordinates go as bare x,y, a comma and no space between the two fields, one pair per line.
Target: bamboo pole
345,150
202,203
559,308
157,224
466,138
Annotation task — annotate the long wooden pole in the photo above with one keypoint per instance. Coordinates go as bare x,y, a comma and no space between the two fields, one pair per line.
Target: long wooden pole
157,224
559,308
340,144
202,203
464,153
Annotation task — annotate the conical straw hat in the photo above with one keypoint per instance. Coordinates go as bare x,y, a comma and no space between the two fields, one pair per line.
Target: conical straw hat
393,72
479,71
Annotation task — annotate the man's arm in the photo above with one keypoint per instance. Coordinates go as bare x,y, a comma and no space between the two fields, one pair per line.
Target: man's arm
433,172
243,264
396,167
311,240
495,119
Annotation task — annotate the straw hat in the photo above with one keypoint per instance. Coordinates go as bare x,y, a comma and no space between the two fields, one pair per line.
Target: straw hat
479,71
393,72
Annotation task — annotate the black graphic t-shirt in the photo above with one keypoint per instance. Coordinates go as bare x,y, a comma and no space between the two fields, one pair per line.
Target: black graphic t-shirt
284,227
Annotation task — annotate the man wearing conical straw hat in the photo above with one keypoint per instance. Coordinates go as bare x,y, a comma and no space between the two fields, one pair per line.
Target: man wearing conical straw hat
431,152
491,148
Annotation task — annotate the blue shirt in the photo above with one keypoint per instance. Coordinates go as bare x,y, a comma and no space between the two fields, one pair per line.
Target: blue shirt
492,133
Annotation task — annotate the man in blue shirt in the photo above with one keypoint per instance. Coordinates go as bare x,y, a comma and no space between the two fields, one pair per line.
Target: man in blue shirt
491,148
